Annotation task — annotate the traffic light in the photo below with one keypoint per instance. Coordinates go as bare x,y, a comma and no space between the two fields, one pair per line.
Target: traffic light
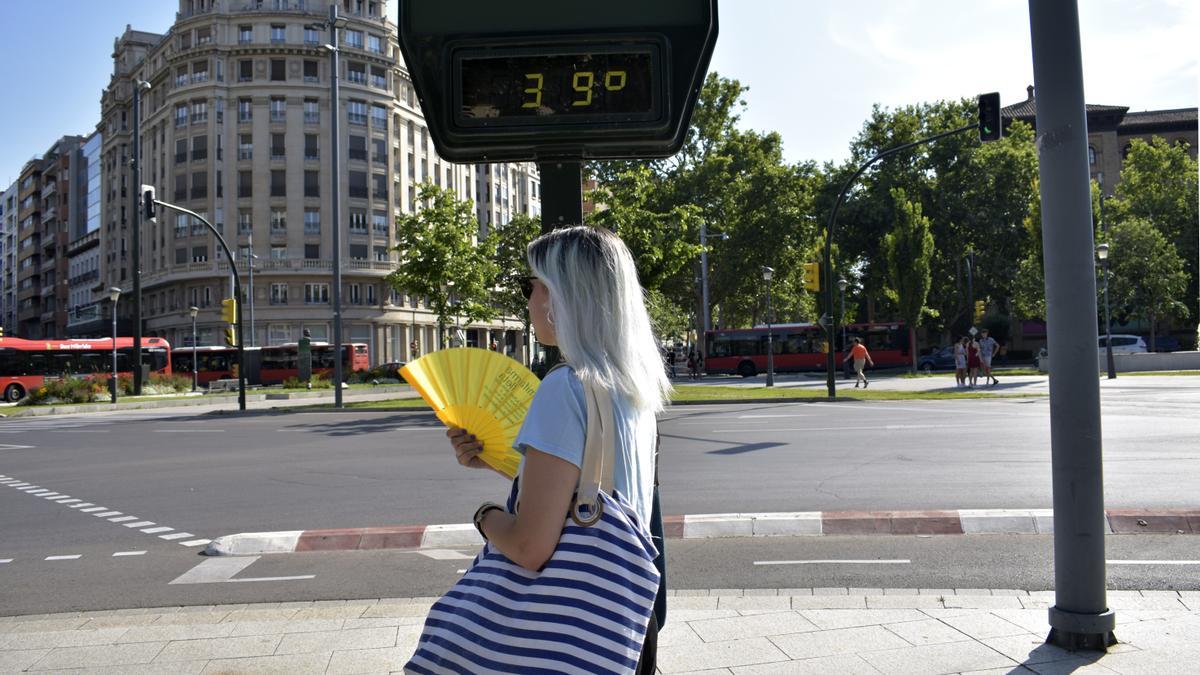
1,331
231,336
229,310
989,117
812,276
148,203
979,307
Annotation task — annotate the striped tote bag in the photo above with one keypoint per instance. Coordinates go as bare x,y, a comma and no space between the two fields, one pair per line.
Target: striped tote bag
585,612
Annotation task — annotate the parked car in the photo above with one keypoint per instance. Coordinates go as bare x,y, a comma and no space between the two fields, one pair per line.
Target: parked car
1124,344
391,370
941,359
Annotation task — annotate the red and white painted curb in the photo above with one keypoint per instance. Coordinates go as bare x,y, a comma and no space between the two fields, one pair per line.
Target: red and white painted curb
720,525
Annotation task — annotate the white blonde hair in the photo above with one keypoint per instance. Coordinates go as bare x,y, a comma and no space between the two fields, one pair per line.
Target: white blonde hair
599,312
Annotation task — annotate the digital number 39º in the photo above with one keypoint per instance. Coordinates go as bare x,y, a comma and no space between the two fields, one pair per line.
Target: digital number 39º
581,81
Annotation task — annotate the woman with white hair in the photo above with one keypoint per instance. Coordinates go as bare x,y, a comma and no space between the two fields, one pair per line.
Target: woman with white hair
532,597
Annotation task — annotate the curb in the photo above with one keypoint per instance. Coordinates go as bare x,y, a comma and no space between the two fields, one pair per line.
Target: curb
724,525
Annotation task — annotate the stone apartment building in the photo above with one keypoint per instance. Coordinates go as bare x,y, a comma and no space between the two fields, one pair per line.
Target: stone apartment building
8,258
235,126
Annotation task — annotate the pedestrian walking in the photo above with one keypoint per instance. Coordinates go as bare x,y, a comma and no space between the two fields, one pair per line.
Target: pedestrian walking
579,595
960,361
988,348
861,358
671,359
973,361
693,370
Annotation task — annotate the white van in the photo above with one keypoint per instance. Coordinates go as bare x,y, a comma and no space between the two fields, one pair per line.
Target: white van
1124,344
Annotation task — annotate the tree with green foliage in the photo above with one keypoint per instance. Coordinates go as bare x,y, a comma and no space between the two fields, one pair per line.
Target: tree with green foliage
512,239
443,259
1148,278
1159,184
908,249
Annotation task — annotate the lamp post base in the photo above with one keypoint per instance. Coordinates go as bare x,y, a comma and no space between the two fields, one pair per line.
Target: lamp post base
1082,632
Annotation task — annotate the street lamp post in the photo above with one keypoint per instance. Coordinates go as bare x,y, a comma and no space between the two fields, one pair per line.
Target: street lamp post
335,182
971,286
250,258
1102,254
704,280
135,219
114,294
767,274
842,284
195,369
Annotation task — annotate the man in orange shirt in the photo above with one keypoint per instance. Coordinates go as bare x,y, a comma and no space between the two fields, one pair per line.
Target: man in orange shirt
861,358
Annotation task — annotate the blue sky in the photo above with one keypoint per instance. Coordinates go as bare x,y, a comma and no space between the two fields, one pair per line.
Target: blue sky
814,68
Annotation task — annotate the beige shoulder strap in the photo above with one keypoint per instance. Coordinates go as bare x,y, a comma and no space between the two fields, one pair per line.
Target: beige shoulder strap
599,455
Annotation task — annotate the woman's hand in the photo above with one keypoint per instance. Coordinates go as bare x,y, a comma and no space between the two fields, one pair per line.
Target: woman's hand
466,448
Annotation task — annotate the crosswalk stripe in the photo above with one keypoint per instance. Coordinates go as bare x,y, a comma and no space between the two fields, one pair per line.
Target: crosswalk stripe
196,542
156,530
94,509
144,523
83,506
77,556
176,535
118,554
122,519
107,514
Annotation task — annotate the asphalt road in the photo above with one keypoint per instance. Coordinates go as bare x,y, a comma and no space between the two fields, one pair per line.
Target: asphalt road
207,475
166,576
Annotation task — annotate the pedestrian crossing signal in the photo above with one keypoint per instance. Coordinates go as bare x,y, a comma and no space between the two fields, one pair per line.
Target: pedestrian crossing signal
980,305
229,310
812,276
231,336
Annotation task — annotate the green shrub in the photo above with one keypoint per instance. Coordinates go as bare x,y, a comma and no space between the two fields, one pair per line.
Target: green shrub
67,390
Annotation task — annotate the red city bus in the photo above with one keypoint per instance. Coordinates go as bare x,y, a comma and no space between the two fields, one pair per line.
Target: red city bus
26,364
799,346
268,365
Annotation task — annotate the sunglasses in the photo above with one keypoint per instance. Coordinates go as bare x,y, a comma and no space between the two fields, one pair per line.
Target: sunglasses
527,286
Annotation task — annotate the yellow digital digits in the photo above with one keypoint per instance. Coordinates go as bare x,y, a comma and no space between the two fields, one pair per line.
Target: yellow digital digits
535,90
582,81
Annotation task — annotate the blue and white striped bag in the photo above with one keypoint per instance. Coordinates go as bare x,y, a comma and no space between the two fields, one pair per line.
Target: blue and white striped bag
585,612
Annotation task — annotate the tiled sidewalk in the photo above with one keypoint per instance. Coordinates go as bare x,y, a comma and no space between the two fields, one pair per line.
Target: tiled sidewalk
835,630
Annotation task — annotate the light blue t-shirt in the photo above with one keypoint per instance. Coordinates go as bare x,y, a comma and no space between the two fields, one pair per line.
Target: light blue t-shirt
556,424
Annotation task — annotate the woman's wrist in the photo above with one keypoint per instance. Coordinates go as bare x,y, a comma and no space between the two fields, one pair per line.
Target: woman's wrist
481,513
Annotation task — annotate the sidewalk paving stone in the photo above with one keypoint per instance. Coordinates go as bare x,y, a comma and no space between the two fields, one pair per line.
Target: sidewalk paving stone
926,632
337,640
219,648
828,619
843,664
983,625
723,654
903,602
293,664
100,655
759,625
937,659
839,641
381,660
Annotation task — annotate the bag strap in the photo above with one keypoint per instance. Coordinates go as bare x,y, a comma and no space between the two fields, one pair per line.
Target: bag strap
599,456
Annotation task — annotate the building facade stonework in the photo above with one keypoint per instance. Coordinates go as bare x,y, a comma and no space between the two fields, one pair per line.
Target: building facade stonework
235,126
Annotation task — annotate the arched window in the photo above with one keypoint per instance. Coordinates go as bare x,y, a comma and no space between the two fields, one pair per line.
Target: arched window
1091,156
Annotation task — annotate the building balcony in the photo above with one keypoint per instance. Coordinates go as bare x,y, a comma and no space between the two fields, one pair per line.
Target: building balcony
49,189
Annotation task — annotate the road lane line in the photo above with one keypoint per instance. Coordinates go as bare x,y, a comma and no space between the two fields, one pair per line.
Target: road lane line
189,431
143,523
77,556
176,535
119,554
884,427
52,495
444,554
297,578
1153,562
4,561
39,492
107,514
832,562
156,530
68,500
215,570
196,542
83,506
94,509
122,519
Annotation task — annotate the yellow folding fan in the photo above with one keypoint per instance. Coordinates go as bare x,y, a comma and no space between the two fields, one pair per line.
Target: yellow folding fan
481,391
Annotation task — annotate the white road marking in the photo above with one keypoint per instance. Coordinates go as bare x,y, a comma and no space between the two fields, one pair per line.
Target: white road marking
94,509
443,554
83,505
196,542
832,562
5,560
52,495
852,427
78,431
107,514
296,578
1153,562
143,523
68,500
189,431
156,530
222,570
119,554
64,557
39,492
176,535
10,446
122,519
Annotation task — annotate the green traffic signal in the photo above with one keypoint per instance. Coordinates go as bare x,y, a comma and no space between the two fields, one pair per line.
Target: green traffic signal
989,117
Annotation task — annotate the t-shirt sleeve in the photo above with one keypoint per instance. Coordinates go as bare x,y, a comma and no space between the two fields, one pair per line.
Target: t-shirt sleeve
557,420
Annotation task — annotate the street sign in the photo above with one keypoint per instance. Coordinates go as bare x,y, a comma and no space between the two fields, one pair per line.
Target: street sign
533,80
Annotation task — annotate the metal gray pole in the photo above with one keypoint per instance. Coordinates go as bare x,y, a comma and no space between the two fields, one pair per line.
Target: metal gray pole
971,286
770,340
1080,617
704,282
135,221
250,264
335,107
195,368
114,339
1112,369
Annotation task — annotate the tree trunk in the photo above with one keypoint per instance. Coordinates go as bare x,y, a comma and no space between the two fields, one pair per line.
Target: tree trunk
1152,332
912,344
